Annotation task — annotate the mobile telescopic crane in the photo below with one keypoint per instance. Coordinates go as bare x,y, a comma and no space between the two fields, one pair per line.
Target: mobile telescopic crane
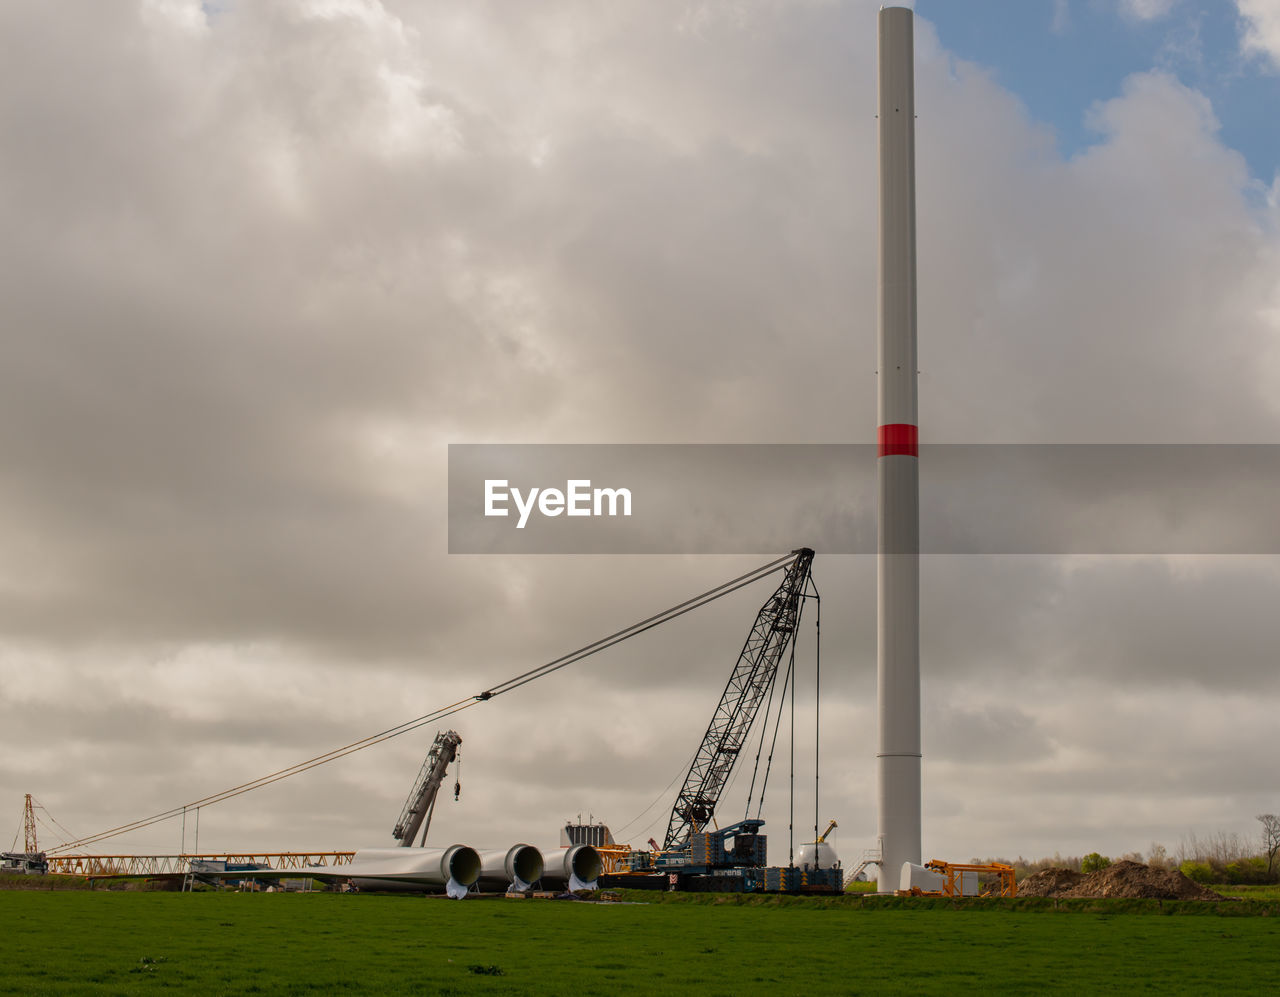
422,798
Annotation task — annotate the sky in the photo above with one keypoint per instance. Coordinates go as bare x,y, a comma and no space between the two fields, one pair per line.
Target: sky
263,263
1061,56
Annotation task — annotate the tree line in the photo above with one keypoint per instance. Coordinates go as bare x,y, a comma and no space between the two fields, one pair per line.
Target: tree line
1225,857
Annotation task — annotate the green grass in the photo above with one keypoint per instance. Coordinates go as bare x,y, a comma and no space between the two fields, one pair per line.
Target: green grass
1269,892
143,943
17,881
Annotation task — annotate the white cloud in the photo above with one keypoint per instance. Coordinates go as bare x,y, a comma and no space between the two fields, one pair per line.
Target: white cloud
1061,16
1146,10
183,15
1261,29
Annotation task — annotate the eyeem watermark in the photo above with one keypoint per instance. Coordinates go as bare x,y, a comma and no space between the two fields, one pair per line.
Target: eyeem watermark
577,499
1052,499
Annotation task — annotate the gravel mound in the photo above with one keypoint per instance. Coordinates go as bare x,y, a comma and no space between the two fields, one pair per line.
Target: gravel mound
1123,879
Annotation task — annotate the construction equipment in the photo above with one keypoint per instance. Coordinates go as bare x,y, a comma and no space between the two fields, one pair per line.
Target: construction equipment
25,863
31,861
727,860
736,846
752,678
158,866
614,856
819,854
816,869
958,879
801,879
31,845
421,803
731,858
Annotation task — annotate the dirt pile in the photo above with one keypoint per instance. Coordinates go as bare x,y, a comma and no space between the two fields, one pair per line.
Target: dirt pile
1123,879
1049,883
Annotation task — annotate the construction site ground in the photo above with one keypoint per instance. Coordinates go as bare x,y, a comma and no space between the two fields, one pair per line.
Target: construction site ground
1124,879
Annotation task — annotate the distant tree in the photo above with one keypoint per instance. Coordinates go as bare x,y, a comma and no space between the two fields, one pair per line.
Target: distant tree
1093,862
1270,837
1158,856
1217,849
1201,872
1252,870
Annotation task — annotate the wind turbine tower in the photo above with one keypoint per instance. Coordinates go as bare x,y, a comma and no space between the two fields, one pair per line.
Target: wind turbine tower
898,548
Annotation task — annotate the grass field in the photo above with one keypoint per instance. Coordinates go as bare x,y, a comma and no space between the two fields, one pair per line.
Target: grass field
143,943
1271,892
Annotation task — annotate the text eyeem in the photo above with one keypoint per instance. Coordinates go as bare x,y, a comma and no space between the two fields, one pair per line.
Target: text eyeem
577,499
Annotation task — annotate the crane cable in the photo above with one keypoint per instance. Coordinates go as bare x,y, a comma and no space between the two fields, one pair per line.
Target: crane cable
440,713
659,798
66,834
638,628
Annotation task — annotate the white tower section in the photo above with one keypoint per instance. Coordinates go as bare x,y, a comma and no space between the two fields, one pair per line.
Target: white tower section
898,560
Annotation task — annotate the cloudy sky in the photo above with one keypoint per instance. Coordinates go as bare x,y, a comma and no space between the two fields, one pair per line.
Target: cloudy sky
263,262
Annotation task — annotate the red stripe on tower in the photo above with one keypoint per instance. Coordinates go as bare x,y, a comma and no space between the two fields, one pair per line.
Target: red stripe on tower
899,438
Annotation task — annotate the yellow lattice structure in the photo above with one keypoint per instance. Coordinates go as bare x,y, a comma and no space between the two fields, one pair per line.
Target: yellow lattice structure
614,858
956,884
180,865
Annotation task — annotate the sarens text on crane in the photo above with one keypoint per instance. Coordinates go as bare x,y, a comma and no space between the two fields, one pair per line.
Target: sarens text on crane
577,499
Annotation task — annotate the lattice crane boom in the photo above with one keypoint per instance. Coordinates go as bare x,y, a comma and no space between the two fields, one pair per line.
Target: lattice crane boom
422,798
29,827
749,683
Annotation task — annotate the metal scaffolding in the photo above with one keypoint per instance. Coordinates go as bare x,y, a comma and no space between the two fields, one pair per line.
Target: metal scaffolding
180,865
